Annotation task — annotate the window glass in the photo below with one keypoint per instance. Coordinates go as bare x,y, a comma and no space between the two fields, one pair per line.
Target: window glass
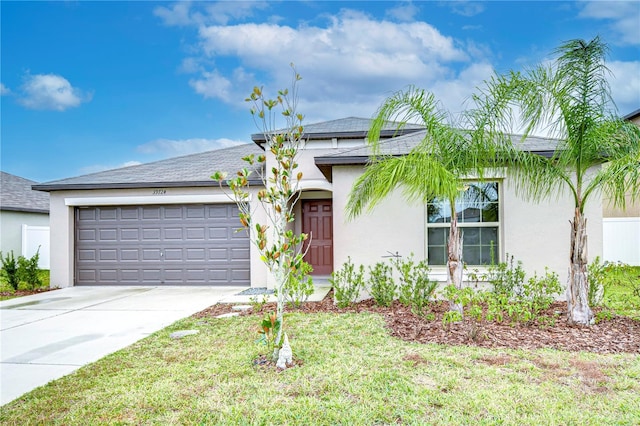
477,210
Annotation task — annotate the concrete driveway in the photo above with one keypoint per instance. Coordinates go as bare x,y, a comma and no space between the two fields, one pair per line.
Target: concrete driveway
46,336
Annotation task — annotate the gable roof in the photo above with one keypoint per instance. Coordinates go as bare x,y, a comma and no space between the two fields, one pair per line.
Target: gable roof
196,169
402,145
16,195
187,170
346,128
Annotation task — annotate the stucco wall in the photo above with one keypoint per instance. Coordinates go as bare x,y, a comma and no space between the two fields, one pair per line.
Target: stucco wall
62,222
535,233
11,228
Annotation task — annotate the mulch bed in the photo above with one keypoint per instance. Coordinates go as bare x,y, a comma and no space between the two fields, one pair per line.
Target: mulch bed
20,293
615,335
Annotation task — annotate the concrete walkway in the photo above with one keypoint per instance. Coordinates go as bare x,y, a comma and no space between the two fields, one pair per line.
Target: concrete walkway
46,336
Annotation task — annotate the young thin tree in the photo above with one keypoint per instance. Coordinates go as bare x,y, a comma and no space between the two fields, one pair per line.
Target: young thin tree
280,248
435,168
571,99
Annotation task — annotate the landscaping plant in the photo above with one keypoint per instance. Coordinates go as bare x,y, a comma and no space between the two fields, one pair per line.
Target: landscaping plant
436,169
10,270
415,289
29,271
347,283
381,284
300,285
280,248
570,98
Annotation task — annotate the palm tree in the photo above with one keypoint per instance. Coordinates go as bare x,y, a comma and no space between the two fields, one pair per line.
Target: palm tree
434,168
571,99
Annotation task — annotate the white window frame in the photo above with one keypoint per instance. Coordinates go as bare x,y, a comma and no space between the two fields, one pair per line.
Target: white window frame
462,225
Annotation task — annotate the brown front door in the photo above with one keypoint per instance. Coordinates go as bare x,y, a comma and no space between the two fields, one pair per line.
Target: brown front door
317,222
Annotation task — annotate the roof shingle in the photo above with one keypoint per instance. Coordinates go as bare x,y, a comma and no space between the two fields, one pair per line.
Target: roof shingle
188,170
16,195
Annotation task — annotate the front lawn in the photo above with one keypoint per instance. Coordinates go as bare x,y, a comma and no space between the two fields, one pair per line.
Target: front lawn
622,290
351,371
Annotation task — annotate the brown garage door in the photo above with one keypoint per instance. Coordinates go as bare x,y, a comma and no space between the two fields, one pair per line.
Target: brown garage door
151,245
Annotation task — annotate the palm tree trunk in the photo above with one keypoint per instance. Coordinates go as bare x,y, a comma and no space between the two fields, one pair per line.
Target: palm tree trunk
454,261
579,311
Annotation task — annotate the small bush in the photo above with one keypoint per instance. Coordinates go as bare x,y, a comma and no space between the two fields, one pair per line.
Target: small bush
29,272
506,277
10,270
381,284
416,289
541,292
347,283
596,273
300,285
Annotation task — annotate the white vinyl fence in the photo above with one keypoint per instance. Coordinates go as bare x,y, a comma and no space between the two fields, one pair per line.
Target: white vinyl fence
621,240
34,237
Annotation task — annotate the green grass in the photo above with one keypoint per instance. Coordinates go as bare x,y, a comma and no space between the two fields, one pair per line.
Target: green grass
622,290
6,288
352,373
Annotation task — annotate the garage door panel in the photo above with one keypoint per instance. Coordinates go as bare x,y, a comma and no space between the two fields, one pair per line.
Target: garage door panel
173,234
129,213
173,245
87,235
152,254
108,255
132,234
240,254
151,234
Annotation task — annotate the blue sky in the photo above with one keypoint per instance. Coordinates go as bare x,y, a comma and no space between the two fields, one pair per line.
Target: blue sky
89,86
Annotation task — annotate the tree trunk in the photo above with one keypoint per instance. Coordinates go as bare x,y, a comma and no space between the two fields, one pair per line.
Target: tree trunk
579,311
454,262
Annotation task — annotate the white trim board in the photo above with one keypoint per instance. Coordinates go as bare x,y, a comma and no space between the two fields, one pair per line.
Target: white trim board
146,200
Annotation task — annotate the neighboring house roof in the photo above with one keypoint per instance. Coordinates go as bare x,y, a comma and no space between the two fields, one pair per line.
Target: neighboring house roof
16,195
346,128
632,115
188,170
403,144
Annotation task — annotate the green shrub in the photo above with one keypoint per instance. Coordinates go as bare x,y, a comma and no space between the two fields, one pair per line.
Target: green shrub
300,285
29,272
506,277
416,289
347,283
540,292
381,284
596,273
10,270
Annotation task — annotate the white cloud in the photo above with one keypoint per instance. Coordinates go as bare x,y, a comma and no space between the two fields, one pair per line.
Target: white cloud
404,13
176,15
50,92
466,8
173,148
212,85
182,14
224,11
625,85
4,90
354,60
624,17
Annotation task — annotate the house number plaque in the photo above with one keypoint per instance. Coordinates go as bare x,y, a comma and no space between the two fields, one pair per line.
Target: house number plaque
159,192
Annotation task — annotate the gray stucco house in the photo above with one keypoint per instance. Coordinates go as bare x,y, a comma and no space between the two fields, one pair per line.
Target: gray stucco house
24,218
168,223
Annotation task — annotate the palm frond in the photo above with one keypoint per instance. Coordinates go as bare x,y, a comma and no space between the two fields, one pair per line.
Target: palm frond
420,176
406,106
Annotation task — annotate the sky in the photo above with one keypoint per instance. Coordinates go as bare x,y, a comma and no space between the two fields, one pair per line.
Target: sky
89,86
